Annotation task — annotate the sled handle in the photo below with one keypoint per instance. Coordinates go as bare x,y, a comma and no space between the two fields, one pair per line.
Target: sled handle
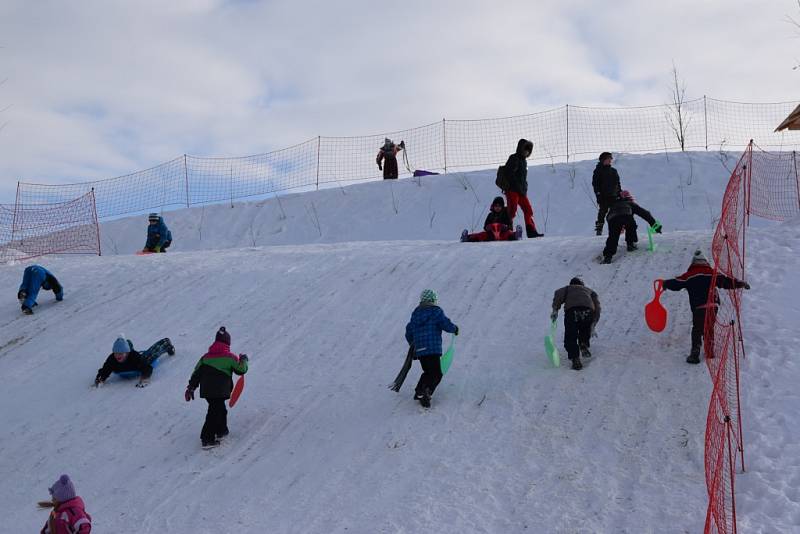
658,286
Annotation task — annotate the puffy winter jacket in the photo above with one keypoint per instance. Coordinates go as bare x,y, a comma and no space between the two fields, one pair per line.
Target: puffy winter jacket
605,182
157,234
134,362
622,207
424,330
697,282
213,372
68,517
517,168
497,218
575,295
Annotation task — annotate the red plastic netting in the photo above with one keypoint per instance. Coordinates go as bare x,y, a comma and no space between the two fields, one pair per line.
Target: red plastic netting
28,231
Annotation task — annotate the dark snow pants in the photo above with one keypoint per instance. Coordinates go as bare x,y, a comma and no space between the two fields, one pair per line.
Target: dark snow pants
156,350
577,329
698,327
431,373
602,211
216,420
615,226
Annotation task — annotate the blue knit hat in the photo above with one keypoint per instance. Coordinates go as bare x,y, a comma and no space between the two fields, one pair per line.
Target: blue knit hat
121,345
63,490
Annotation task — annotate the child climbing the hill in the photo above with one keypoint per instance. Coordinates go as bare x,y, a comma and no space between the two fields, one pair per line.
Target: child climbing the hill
424,332
69,513
620,215
387,158
213,373
581,313
697,282
498,225
159,238
34,279
124,358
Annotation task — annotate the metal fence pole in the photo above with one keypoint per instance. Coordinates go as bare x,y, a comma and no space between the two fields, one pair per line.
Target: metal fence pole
705,119
444,144
186,178
319,144
567,133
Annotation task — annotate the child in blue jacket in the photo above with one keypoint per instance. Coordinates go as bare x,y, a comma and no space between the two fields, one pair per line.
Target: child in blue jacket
424,332
158,235
35,278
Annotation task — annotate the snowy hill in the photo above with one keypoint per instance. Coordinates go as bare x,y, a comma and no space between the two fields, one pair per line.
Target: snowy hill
318,444
683,190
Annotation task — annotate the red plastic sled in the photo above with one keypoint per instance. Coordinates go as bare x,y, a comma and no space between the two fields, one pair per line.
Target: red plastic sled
654,313
237,391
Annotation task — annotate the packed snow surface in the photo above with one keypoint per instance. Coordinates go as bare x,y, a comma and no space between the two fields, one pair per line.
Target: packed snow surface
318,443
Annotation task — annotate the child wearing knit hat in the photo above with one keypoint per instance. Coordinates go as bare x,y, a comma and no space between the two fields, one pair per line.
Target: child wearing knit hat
213,373
124,359
69,512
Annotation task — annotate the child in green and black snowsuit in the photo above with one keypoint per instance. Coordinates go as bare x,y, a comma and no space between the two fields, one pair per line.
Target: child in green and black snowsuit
424,332
213,373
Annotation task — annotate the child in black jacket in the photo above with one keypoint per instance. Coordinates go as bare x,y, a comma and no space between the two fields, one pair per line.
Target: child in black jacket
620,215
124,359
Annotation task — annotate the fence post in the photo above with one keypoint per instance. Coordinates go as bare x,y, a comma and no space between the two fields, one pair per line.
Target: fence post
96,222
319,143
14,219
705,119
796,178
186,178
444,144
567,133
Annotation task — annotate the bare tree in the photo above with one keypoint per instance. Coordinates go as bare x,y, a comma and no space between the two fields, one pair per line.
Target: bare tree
676,111
796,23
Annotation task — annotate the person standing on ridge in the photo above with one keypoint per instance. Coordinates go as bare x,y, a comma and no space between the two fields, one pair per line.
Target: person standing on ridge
516,169
387,158
606,185
424,332
581,313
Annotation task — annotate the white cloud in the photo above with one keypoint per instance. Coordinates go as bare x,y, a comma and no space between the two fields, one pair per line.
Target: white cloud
101,88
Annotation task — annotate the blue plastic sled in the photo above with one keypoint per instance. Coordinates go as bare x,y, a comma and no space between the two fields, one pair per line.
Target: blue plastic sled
127,375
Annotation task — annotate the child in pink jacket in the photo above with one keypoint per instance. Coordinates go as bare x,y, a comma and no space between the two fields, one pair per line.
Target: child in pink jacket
69,514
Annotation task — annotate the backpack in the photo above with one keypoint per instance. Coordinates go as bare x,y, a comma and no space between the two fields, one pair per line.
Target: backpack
502,179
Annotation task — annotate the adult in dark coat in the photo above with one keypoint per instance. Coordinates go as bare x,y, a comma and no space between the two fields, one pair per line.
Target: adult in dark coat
516,169
697,282
605,182
620,215
387,158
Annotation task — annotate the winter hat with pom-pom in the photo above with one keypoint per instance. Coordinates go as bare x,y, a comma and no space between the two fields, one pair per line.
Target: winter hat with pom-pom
223,336
63,490
699,257
121,345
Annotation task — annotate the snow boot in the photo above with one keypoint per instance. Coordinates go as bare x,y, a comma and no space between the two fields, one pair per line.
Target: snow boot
531,231
210,444
606,260
632,247
224,433
170,348
425,398
518,233
576,363
694,355
464,236
27,311
585,352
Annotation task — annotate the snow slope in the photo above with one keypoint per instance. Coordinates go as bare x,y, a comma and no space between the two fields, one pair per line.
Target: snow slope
683,190
318,444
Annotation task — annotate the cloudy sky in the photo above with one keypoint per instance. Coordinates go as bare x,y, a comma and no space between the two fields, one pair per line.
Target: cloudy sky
98,88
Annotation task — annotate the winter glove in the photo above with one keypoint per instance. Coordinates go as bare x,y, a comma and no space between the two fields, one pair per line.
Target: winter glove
380,167
553,316
97,382
189,394
658,230
157,248
142,383
593,334
244,358
402,144
456,332
746,285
